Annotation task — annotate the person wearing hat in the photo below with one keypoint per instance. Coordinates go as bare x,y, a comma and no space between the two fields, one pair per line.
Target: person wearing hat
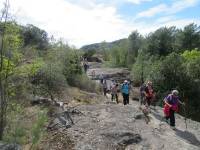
171,106
125,88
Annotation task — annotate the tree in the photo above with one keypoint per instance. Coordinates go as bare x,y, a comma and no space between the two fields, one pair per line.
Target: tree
135,43
3,72
10,43
162,41
35,37
190,37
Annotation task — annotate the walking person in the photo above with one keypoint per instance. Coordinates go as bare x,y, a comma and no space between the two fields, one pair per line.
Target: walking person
149,93
85,65
125,88
171,106
101,77
114,92
104,87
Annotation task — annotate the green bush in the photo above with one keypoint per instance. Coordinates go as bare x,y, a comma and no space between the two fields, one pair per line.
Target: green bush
84,83
38,127
50,80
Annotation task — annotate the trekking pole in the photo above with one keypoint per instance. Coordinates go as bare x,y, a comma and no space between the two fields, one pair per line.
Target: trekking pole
185,113
185,118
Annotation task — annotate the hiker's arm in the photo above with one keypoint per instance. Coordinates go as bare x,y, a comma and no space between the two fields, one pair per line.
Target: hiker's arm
182,103
166,102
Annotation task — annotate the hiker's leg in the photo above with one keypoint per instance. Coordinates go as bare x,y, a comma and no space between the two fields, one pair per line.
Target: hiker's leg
167,118
116,96
127,98
145,100
124,98
141,99
112,97
148,101
104,91
172,118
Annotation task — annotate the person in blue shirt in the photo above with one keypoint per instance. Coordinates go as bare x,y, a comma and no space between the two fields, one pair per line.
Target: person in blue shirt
125,88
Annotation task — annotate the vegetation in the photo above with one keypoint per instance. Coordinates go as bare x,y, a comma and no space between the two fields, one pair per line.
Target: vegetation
32,66
168,56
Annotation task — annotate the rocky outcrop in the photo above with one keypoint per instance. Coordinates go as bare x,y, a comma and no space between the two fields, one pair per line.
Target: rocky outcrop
115,126
117,74
4,146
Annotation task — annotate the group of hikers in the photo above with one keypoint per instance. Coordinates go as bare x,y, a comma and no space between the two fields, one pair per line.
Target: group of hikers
147,96
115,88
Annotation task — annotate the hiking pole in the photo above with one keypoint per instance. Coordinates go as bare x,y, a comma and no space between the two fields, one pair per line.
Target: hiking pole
185,113
185,117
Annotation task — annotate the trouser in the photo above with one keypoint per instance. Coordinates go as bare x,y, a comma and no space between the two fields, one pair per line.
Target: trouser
104,91
114,96
171,117
142,99
125,98
148,100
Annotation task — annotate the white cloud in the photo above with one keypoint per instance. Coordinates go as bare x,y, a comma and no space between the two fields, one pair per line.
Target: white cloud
85,24
180,23
138,1
165,19
153,11
79,25
175,7
181,5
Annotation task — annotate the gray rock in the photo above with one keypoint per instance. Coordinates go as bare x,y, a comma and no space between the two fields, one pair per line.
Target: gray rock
4,146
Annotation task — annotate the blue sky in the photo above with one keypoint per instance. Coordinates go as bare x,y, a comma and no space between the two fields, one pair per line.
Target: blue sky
81,22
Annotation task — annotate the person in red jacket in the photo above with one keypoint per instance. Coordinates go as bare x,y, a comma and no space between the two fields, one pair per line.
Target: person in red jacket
149,93
171,106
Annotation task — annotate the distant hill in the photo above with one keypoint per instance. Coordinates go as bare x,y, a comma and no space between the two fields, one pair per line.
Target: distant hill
102,45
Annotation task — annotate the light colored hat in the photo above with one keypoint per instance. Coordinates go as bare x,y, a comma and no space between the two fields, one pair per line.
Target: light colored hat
125,81
175,92
149,82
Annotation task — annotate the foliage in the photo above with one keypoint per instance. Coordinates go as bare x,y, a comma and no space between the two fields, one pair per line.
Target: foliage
15,131
161,41
190,37
135,43
118,55
89,53
34,36
84,83
191,55
38,127
50,80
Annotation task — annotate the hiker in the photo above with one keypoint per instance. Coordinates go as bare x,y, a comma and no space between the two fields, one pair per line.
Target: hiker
125,88
104,87
114,92
93,74
171,106
142,95
101,77
149,93
85,65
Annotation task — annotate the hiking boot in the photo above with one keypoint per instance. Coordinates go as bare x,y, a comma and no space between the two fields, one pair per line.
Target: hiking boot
167,121
173,128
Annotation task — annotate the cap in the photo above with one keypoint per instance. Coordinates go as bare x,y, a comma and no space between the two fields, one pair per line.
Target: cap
175,92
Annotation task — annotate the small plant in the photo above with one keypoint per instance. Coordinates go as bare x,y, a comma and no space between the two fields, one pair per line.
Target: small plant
38,128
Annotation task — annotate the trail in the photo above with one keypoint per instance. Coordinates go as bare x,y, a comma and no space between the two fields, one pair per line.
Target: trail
111,126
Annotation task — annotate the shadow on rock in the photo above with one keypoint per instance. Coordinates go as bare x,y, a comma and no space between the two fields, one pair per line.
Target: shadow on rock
191,138
123,138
